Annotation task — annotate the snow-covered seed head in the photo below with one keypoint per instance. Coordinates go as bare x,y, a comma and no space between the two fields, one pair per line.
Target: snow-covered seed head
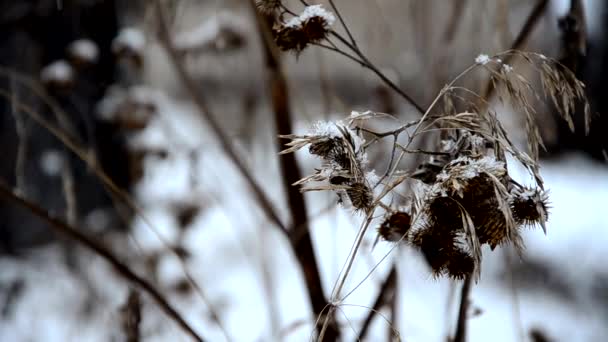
529,206
83,52
325,146
59,75
129,44
312,26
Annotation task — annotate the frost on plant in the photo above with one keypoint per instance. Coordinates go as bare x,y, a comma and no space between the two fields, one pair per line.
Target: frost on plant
461,196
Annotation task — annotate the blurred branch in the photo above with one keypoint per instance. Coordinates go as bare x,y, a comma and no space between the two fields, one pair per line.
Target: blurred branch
22,129
455,19
205,111
520,41
90,160
290,171
96,247
386,295
131,316
573,35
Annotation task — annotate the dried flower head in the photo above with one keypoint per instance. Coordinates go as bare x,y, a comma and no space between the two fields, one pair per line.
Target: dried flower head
360,195
395,226
312,26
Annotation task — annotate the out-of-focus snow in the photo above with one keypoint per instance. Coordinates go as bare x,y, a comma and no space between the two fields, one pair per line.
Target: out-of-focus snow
84,49
130,38
58,71
51,162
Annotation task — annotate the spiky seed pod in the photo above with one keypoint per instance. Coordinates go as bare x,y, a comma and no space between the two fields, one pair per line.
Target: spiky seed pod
436,251
360,195
529,206
395,226
479,200
290,38
460,264
315,29
324,147
338,180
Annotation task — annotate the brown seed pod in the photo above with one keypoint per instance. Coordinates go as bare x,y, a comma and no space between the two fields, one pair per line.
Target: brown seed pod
325,147
315,29
460,264
395,226
529,206
360,195
290,38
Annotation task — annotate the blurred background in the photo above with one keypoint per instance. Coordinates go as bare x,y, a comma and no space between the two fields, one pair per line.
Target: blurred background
193,227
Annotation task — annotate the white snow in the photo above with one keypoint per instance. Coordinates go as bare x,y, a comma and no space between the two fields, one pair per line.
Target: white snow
130,38
311,12
51,162
84,49
58,71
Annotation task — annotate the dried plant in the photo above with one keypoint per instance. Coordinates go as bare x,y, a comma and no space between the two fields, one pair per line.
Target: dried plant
463,196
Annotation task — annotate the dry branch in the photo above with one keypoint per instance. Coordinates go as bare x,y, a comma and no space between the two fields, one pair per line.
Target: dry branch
104,252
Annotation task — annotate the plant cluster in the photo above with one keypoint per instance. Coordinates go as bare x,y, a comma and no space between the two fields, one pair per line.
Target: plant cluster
461,197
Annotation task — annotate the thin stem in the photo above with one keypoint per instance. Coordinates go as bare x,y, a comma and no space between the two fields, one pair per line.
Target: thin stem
343,53
350,36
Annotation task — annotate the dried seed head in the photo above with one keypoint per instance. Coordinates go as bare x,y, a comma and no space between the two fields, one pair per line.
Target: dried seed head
459,265
312,26
290,38
360,195
435,248
395,226
315,29
338,180
529,206
325,146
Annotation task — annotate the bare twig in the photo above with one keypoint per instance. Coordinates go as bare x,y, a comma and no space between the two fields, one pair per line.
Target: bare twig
95,246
